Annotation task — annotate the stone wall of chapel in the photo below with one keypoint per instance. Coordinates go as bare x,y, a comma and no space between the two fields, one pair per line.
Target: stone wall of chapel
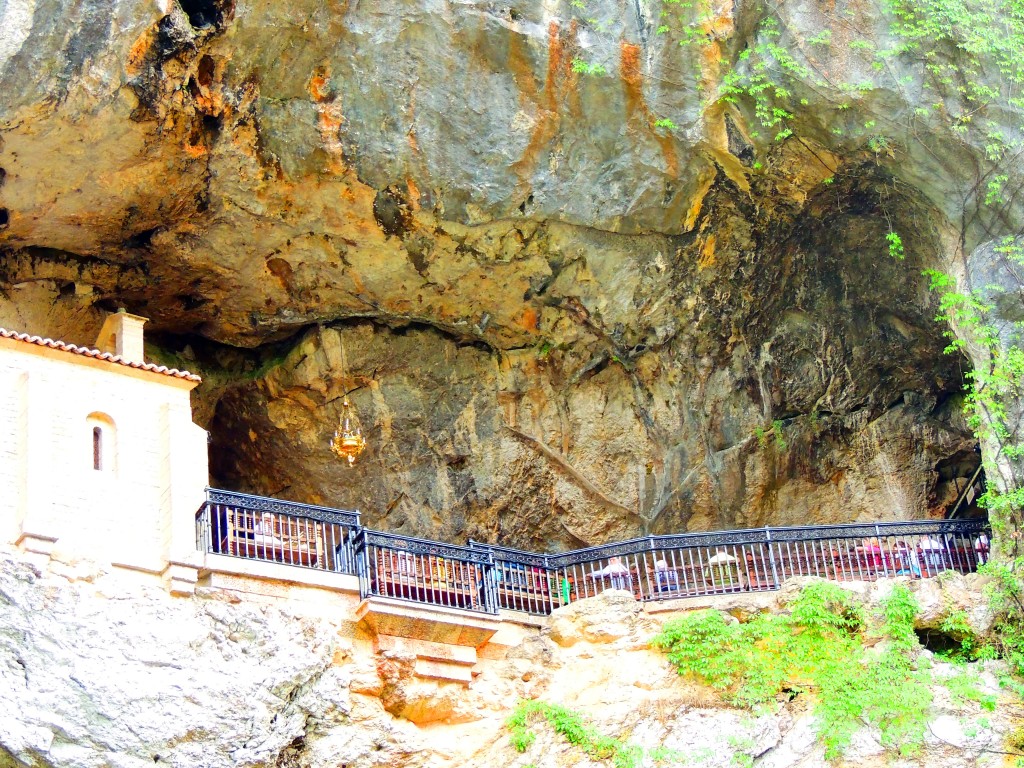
138,509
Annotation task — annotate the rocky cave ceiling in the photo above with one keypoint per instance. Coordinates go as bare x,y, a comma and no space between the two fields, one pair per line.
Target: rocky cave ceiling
563,323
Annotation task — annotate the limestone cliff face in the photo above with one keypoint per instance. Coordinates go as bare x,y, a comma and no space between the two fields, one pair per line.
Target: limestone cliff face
97,671
565,322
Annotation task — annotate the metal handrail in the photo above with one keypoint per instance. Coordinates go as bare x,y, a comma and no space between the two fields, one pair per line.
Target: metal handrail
769,556
969,488
485,577
277,531
426,572
512,555
367,537
296,509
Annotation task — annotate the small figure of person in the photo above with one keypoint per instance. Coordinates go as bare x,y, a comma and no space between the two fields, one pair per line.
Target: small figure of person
566,587
665,577
487,586
722,571
932,551
875,550
265,531
907,561
981,547
344,560
617,573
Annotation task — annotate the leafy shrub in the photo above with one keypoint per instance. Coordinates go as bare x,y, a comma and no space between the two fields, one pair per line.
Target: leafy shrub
971,646
576,731
1006,596
963,687
816,648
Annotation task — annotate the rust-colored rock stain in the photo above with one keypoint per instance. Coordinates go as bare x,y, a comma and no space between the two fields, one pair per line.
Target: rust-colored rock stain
529,319
637,113
139,52
329,117
707,253
547,101
319,86
632,82
414,193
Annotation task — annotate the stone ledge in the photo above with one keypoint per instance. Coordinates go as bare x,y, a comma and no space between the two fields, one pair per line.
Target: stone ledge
36,544
426,649
442,670
181,579
746,601
421,622
307,577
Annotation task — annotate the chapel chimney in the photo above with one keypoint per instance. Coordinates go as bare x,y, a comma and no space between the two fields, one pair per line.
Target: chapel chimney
121,334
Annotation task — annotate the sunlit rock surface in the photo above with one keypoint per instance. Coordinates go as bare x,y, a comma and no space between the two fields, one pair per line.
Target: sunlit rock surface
98,671
564,321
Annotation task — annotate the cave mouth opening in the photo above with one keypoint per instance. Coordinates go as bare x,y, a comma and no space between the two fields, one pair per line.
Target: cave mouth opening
943,644
203,13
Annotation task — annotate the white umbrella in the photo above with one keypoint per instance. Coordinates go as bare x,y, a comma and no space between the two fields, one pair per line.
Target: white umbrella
721,558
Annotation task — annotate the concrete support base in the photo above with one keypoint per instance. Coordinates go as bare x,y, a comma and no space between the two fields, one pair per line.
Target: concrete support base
38,548
436,661
444,641
37,545
421,622
181,579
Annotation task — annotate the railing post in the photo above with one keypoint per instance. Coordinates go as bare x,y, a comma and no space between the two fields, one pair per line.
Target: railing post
881,551
490,585
651,593
350,544
202,526
771,557
552,585
359,548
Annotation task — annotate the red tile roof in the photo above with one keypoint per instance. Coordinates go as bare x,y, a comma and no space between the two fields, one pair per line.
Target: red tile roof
95,353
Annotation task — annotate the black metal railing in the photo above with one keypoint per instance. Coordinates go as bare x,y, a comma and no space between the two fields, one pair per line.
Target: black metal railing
975,487
485,577
425,571
523,581
262,528
721,562
690,565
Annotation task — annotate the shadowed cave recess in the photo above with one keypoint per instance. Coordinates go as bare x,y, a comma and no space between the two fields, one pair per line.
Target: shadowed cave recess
783,375
559,326
799,381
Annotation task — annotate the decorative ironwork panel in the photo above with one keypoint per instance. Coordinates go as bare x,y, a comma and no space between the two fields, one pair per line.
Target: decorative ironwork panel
711,539
365,537
868,530
818,534
965,527
509,555
603,552
292,508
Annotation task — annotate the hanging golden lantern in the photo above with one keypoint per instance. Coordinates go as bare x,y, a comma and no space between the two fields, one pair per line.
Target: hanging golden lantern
348,441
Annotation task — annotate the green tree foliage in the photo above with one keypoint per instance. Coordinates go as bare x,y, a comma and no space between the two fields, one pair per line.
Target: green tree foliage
959,64
993,389
572,727
817,649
